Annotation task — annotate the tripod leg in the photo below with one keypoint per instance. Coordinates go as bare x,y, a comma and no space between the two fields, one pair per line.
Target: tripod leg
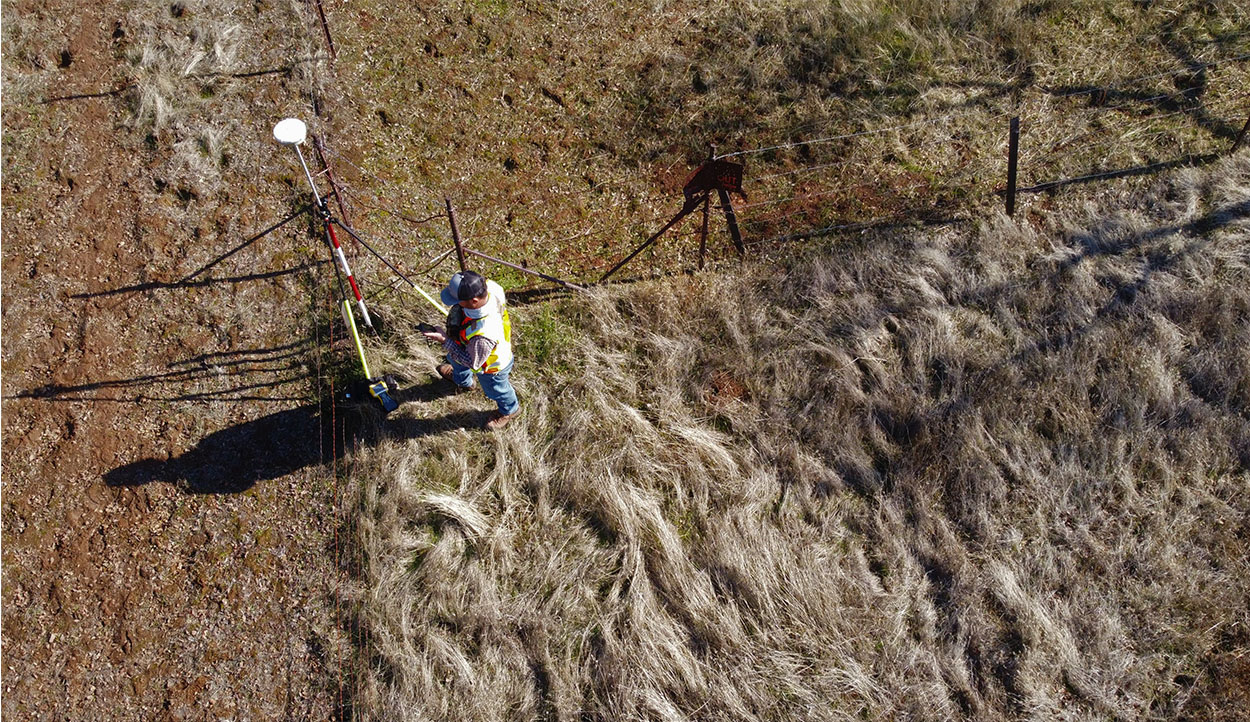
707,202
733,222
680,215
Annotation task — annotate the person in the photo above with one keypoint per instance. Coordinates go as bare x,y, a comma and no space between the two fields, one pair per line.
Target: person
478,342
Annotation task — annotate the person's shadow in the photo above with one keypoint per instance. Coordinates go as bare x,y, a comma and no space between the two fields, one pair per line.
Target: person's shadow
234,459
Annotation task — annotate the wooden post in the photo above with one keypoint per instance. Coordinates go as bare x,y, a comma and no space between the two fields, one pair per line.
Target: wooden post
732,220
455,234
325,27
1241,136
1013,157
707,203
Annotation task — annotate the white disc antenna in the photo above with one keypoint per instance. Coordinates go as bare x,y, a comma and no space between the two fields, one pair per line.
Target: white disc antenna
290,131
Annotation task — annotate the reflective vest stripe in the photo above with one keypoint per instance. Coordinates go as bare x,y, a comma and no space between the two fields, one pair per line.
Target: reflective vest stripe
496,325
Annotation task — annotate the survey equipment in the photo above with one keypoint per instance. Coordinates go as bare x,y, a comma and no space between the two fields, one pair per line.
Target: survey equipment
293,132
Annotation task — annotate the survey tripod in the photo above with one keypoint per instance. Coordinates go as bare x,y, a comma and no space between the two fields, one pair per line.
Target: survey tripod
383,388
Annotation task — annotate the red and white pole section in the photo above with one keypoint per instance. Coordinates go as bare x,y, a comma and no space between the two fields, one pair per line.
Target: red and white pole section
334,242
347,271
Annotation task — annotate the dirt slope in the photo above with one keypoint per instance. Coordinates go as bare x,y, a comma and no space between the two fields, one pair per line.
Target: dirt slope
143,372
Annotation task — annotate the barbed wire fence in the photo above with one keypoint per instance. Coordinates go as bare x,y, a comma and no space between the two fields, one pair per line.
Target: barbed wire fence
819,185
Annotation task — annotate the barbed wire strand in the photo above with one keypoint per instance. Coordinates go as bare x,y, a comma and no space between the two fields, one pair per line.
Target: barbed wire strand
830,139
355,195
827,230
806,196
383,181
562,224
1101,136
648,220
1122,133
971,102
825,166
479,203
480,218
1153,99
1093,131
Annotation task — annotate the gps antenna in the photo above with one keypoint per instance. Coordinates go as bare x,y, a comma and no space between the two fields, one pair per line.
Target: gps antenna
292,132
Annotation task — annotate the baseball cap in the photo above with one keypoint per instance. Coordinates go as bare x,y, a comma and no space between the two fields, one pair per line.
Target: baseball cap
463,286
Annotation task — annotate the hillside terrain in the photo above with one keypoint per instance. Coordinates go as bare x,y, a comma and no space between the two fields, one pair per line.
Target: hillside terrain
913,458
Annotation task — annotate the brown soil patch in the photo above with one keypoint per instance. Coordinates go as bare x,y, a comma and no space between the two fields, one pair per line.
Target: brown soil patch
168,526
723,388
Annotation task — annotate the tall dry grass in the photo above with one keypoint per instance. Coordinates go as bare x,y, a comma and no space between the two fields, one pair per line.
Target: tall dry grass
982,473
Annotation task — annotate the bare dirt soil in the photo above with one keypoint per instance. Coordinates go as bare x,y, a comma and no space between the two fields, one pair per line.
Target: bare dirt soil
168,528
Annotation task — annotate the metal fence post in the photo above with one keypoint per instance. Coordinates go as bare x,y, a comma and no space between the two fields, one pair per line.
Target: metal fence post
1013,157
455,233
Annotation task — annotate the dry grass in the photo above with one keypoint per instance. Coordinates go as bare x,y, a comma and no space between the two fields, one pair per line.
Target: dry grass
197,76
991,473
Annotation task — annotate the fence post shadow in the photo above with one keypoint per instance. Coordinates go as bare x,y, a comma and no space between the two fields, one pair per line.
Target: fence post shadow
1148,169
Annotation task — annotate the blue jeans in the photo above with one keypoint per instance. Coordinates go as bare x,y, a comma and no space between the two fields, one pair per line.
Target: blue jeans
496,386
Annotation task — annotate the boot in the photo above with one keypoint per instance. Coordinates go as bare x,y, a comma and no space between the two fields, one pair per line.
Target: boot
497,420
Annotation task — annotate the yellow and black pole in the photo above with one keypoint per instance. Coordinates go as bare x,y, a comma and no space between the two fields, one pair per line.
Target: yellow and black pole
377,388
442,310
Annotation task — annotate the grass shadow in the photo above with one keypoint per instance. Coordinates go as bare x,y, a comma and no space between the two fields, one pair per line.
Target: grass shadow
1186,97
